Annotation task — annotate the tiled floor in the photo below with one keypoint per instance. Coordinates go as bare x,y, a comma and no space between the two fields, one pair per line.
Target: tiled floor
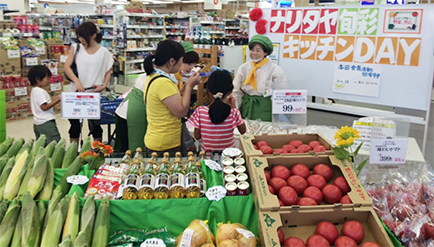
24,128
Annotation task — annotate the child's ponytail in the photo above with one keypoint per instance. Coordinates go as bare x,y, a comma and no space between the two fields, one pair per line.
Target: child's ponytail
219,85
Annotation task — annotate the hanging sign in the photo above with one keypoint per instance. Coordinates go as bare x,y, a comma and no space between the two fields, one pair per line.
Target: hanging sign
81,105
212,4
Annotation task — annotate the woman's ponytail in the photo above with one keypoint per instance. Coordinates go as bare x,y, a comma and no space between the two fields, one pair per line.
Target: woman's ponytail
149,64
219,84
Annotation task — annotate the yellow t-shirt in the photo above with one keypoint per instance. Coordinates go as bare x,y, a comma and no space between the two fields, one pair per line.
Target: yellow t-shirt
164,128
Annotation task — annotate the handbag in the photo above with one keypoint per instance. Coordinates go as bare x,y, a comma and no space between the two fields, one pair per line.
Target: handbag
73,65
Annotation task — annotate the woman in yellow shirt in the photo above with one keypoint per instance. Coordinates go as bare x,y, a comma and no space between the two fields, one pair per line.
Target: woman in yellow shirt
164,105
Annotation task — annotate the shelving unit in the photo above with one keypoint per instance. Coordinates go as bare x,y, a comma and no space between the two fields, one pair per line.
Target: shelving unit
208,56
177,28
236,27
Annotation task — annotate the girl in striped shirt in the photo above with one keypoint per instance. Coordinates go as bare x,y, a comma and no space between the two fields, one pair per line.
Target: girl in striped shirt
215,123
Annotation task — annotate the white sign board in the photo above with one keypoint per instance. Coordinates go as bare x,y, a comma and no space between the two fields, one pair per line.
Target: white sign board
289,101
81,105
388,151
14,54
212,4
351,78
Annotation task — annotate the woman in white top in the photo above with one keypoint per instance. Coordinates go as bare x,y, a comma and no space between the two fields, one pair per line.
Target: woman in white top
94,66
256,79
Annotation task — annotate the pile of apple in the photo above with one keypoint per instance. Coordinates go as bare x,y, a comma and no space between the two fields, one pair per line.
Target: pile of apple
326,234
293,147
299,186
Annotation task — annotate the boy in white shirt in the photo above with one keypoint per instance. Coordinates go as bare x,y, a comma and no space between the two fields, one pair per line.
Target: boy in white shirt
44,119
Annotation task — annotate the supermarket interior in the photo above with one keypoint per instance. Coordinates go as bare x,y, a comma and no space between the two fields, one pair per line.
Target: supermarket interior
268,123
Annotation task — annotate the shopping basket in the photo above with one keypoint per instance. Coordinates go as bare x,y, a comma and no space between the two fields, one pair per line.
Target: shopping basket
108,108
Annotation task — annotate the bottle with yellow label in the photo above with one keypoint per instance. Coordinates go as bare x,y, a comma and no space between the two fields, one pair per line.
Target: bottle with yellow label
147,181
154,157
130,187
201,174
162,180
126,160
192,179
177,179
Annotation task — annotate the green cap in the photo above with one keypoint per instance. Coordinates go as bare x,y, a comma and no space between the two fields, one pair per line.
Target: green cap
188,46
261,39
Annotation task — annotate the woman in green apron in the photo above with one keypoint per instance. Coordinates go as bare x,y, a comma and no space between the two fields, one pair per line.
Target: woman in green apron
255,80
130,134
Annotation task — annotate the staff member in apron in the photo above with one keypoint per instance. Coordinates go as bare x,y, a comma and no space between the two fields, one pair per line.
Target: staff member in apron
131,133
255,80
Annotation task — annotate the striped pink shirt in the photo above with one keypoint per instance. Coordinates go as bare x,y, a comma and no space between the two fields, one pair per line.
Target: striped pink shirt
215,137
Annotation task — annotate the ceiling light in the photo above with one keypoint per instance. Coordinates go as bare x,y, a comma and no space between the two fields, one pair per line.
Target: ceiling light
193,1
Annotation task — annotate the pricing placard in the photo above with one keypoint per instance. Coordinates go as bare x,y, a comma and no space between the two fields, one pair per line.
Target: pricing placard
31,61
153,242
388,151
20,91
55,87
77,179
213,165
81,105
289,101
216,193
13,53
40,50
63,58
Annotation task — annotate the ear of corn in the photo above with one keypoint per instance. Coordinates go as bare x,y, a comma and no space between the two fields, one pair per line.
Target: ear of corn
5,175
57,157
4,146
16,239
26,147
80,241
52,204
66,241
42,209
102,224
30,219
3,209
16,176
37,146
8,223
86,145
50,148
70,155
23,185
3,160
38,174
88,219
47,188
62,142
16,146
72,222
73,169
52,232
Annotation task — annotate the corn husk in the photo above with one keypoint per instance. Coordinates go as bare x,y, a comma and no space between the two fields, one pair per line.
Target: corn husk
47,187
16,146
49,149
5,175
9,222
29,215
3,208
66,241
16,176
102,224
53,231
4,146
72,222
87,221
37,176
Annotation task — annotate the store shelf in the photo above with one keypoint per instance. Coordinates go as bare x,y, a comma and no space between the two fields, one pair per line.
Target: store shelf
232,35
107,37
177,34
106,26
145,36
217,32
135,61
43,28
145,27
211,23
227,20
144,15
141,49
135,72
100,14
176,27
232,28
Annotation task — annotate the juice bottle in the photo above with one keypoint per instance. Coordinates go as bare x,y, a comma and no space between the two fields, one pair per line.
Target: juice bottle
162,180
130,190
138,157
126,160
192,179
147,181
154,157
177,179
201,174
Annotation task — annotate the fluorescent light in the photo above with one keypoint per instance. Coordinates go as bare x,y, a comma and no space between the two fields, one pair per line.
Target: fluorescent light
193,1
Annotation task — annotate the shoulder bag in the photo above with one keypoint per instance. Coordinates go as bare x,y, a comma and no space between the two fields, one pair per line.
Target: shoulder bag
73,65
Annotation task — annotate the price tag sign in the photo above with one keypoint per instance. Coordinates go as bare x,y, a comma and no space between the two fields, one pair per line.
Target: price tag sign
7,34
31,61
388,151
289,101
63,58
213,165
232,152
153,242
216,193
20,91
28,34
13,53
40,50
77,179
55,87
81,105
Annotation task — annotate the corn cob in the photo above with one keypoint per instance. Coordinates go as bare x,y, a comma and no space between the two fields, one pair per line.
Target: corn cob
50,148
52,232
102,224
23,185
13,150
3,160
57,157
66,241
73,169
72,222
70,155
41,213
7,225
52,204
30,217
87,220
5,175
16,239
86,145
80,241
27,146
38,174
16,176
62,142
47,188
40,143
4,146
3,209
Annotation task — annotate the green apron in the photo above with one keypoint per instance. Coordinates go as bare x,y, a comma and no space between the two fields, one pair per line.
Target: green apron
136,119
256,107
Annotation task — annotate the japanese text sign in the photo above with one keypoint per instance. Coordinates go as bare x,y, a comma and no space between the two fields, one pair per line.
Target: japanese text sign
81,105
289,101
388,151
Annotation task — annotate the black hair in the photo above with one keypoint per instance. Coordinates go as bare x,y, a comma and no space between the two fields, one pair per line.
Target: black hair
191,57
219,82
37,73
86,30
251,45
166,50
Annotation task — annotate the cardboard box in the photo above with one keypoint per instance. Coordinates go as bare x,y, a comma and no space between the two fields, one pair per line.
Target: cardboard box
277,141
11,98
41,51
264,200
302,224
28,62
